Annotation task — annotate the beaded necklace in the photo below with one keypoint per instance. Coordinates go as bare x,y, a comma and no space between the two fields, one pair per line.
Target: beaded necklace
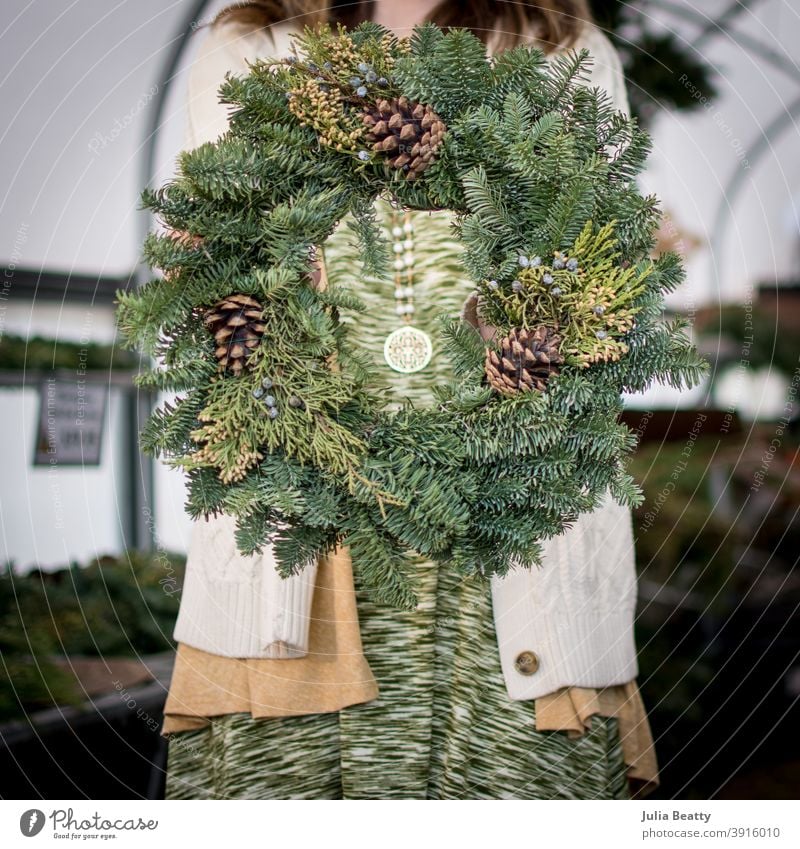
406,349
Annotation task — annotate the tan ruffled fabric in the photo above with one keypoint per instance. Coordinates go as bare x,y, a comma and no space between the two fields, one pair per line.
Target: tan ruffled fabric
335,673
570,709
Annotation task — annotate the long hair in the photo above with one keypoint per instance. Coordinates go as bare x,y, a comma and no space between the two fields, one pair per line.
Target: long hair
555,24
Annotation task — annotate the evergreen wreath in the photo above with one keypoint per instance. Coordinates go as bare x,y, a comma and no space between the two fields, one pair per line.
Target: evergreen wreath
278,421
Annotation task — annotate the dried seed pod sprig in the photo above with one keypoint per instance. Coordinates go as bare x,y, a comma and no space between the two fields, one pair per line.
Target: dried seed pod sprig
587,291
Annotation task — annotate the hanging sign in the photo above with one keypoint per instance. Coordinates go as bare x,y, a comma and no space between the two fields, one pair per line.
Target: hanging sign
70,429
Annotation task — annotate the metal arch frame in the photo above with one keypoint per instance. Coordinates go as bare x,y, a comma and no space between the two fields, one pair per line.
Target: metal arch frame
137,531
167,74
765,138
709,29
717,28
761,145
720,24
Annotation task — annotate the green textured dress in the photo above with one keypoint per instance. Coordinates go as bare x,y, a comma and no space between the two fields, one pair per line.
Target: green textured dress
443,726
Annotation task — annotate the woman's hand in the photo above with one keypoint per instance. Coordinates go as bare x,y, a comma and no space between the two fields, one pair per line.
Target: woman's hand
318,277
470,314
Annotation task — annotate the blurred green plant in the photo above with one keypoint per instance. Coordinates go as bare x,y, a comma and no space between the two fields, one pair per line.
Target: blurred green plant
678,531
120,607
769,341
717,537
39,352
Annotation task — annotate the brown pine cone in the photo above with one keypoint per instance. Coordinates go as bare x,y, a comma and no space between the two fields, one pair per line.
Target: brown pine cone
406,132
525,361
237,325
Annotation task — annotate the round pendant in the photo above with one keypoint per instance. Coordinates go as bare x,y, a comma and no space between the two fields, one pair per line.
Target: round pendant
407,349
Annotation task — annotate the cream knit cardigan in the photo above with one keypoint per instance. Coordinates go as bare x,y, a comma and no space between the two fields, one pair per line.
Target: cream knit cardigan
575,612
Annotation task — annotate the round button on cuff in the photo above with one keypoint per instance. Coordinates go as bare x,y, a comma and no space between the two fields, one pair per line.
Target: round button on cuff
526,663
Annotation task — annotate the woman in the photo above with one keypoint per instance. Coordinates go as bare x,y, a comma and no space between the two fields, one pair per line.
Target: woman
303,688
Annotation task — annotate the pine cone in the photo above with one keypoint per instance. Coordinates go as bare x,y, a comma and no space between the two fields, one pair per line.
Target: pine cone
406,132
526,359
236,322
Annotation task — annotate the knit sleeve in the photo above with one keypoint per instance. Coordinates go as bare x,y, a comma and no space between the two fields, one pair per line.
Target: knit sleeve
235,605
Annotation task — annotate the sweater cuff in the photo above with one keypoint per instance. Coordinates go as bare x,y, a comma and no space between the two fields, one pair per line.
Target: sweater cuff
286,611
572,651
